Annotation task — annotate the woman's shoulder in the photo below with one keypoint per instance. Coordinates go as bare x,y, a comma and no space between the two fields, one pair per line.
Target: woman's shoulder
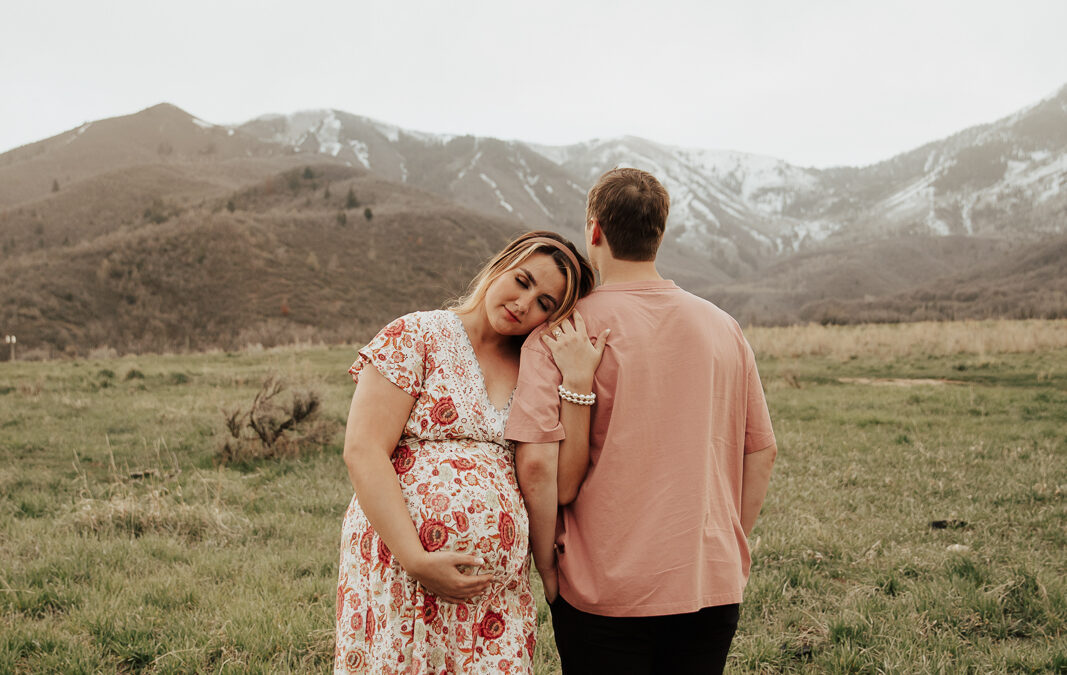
424,322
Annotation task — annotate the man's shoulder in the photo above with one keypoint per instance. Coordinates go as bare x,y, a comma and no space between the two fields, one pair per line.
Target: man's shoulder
669,300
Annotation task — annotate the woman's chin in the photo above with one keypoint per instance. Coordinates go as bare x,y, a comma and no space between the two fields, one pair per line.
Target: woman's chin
509,328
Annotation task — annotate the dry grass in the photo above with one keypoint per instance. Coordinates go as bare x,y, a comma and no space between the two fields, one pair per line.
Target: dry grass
144,556
156,512
897,340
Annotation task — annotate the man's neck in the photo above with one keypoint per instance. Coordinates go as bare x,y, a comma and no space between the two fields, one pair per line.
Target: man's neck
614,271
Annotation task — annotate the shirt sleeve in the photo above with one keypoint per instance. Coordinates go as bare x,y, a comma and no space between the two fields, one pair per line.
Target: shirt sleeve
398,352
758,432
534,414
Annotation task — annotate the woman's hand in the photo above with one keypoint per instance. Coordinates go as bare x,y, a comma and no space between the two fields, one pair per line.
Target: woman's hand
439,573
576,355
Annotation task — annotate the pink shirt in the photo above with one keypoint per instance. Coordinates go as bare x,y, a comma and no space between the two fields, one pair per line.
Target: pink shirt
656,526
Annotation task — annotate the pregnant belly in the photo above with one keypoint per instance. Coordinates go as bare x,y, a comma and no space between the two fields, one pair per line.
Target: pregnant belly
469,503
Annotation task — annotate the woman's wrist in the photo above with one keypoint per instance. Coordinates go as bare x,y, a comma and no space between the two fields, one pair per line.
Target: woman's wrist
412,562
579,384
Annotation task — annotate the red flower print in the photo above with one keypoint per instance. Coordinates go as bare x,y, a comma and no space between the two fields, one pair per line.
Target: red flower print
383,552
492,626
395,329
433,535
366,545
403,459
340,601
355,660
439,503
444,412
356,622
429,609
462,463
370,624
507,530
530,642
462,522
461,612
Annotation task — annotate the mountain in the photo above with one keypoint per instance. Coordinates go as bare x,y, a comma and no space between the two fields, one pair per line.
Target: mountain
158,230
286,263
506,179
221,240
732,213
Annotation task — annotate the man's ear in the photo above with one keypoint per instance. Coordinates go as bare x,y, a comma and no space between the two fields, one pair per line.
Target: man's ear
596,233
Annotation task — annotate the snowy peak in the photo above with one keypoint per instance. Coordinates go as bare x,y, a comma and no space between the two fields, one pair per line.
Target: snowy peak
732,209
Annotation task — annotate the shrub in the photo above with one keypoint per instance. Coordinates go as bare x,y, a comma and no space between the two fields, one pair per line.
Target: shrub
350,200
270,430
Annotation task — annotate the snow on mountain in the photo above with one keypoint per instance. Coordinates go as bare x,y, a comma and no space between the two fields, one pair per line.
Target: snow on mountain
733,209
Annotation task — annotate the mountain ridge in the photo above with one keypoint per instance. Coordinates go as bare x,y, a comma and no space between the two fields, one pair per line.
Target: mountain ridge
99,225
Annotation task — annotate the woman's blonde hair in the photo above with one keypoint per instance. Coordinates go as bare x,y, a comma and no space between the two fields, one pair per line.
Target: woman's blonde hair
579,281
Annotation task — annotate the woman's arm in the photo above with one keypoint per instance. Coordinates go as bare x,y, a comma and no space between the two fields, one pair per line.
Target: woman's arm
376,420
577,358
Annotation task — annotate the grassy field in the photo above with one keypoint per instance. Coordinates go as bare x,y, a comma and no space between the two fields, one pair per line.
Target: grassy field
916,521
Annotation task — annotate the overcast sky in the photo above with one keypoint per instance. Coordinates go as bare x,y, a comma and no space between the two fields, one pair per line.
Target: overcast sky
814,82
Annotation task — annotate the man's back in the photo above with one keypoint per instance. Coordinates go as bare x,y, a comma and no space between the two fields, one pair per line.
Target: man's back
655,528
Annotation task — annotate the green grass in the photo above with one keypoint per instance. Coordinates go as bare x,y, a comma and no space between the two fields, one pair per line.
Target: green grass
194,568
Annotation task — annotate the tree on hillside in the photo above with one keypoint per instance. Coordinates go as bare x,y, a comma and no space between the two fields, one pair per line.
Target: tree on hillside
308,173
55,185
367,213
350,200
326,195
342,218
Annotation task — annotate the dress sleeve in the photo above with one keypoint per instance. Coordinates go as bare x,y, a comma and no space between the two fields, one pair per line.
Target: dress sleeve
398,352
759,434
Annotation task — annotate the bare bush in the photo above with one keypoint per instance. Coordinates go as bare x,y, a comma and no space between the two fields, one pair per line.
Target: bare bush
269,429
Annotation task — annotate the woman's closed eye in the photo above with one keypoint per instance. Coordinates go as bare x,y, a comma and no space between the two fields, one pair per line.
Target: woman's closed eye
546,303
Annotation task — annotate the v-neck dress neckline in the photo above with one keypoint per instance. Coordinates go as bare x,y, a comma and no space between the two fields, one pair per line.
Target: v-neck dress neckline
481,375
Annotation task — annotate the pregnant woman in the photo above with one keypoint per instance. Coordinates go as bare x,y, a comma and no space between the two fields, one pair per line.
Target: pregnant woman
434,553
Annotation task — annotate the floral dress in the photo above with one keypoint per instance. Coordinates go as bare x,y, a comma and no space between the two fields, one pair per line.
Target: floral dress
457,475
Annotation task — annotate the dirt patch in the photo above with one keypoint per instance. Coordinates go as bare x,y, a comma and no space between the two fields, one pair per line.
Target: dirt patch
898,381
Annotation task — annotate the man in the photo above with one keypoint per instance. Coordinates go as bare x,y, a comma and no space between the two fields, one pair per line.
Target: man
652,542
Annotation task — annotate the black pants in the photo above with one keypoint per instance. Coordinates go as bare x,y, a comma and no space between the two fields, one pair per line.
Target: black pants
675,643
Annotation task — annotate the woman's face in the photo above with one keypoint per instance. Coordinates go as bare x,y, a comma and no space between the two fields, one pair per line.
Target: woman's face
522,298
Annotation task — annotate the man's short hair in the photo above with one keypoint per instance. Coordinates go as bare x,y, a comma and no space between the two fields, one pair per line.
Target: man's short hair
631,207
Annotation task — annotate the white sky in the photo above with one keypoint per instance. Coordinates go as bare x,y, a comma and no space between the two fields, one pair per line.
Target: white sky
814,82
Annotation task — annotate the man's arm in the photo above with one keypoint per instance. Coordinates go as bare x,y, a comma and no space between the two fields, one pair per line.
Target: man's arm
535,467
755,477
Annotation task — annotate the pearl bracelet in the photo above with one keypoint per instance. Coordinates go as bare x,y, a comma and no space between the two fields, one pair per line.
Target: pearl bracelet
578,399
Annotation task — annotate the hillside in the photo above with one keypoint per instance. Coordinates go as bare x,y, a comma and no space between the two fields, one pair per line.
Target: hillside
1029,282
287,263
